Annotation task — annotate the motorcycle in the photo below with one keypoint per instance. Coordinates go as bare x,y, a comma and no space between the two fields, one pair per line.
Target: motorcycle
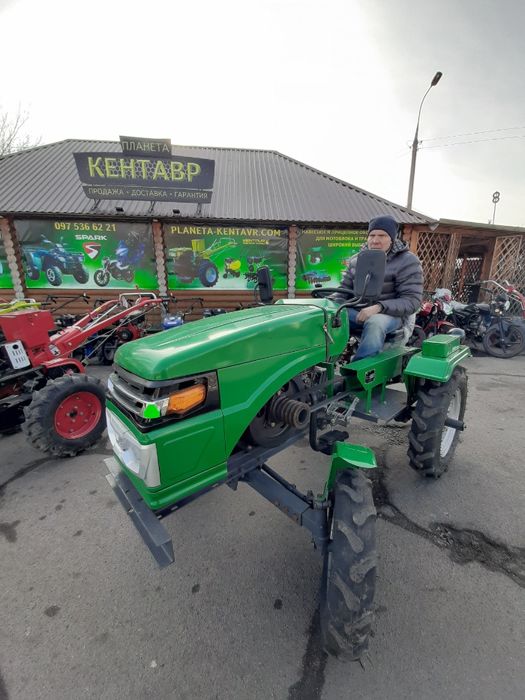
433,318
488,326
128,256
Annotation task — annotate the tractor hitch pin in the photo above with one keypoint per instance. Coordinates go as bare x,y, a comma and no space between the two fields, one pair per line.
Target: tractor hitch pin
338,414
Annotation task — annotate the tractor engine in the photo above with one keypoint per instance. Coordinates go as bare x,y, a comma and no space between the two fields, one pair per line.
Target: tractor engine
24,339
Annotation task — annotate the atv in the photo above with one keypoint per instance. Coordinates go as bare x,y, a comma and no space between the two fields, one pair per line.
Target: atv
210,403
54,261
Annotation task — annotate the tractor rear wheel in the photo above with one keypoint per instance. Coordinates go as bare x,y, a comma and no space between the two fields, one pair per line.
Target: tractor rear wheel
432,443
349,571
66,416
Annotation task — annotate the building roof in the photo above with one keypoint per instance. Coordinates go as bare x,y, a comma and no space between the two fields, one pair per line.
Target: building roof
494,228
250,185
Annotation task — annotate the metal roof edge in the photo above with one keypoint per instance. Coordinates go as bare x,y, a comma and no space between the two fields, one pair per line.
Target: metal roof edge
476,225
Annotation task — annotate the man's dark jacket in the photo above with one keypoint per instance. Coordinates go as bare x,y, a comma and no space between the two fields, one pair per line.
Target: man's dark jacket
403,286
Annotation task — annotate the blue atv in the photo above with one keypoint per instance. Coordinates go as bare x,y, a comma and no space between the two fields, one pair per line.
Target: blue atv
128,256
54,261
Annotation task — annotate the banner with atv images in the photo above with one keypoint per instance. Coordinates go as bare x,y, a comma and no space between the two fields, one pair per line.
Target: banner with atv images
6,281
224,257
323,255
73,254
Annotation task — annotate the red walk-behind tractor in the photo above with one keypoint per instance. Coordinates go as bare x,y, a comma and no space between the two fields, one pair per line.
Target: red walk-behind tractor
44,388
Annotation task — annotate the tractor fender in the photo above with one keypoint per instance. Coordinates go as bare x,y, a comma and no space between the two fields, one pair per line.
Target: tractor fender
347,456
438,357
65,363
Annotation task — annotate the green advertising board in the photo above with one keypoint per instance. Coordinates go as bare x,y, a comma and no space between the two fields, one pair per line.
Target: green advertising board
323,255
6,281
224,257
82,254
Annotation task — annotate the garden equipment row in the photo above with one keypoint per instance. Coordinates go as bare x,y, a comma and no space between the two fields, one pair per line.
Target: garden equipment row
44,387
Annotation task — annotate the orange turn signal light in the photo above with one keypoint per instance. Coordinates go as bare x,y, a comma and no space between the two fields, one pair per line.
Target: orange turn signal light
185,399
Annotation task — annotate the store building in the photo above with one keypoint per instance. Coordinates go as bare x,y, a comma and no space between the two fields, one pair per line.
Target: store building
265,208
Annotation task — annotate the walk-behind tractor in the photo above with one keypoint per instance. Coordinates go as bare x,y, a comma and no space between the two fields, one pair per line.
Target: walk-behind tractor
211,402
197,261
55,261
43,387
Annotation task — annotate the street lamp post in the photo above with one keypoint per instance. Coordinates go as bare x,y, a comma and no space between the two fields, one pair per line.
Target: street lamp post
435,81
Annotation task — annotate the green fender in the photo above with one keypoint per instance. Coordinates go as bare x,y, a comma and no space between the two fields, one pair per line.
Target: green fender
348,456
438,357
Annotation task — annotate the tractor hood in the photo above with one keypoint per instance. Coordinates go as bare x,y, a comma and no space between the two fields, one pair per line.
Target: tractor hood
227,339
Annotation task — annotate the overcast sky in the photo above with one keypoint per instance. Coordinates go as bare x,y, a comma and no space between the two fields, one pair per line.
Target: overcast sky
335,84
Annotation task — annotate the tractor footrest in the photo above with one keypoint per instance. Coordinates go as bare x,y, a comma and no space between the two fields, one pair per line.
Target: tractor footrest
327,441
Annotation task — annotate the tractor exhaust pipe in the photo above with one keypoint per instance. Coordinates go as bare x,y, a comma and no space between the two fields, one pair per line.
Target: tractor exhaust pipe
294,413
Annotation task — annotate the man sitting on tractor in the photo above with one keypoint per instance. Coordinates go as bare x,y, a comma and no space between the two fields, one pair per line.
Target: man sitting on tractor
402,289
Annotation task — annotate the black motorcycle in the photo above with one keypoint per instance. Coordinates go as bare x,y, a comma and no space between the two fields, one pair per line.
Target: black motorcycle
488,328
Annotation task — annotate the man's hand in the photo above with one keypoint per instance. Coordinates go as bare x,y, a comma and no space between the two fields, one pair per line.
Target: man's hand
368,311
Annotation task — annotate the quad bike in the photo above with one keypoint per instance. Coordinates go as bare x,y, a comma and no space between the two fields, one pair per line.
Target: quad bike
128,255
210,403
46,389
197,262
54,261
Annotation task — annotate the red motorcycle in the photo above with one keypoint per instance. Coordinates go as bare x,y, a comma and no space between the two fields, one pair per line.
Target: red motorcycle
434,318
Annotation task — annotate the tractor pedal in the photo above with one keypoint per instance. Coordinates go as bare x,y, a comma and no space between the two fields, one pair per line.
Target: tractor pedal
327,441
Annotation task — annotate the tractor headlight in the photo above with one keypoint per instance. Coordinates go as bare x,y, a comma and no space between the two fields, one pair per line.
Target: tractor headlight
139,459
151,403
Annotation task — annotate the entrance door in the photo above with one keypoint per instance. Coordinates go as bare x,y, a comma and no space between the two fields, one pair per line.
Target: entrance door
467,271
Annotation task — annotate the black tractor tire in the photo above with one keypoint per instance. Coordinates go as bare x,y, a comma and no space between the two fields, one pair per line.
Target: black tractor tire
81,275
349,571
101,277
432,444
513,335
43,415
208,273
54,275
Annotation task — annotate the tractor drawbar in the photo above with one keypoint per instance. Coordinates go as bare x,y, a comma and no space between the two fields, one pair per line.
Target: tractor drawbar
294,413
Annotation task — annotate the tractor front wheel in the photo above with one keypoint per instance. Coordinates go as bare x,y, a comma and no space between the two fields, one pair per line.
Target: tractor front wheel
432,443
66,416
349,571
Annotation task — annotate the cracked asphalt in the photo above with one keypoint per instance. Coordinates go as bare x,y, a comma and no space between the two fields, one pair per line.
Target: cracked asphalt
87,614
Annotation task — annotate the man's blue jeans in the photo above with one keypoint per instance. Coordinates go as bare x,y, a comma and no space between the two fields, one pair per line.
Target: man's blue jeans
373,332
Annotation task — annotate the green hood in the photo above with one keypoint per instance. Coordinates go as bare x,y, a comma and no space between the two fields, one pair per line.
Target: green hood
225,340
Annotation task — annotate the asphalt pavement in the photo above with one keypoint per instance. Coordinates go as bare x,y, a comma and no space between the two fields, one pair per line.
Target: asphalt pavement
86,613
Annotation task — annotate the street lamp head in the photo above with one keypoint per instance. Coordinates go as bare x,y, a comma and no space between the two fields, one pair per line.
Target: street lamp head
436,79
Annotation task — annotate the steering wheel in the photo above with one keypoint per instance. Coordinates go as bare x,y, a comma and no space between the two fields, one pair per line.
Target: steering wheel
326,291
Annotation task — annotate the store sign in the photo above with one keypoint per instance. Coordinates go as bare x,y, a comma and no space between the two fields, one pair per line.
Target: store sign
87,254
323,255
143,171
224,257
135,146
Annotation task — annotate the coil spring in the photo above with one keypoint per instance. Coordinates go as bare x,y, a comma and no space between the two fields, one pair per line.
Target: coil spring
294,413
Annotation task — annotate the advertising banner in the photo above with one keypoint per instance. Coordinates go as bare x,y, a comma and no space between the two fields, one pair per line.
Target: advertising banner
5,275
323,255
224,257
81,254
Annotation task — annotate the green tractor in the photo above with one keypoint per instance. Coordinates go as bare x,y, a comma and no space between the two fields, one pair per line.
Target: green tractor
197,262
212,401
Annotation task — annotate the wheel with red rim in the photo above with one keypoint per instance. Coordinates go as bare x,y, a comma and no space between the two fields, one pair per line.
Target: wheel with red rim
66,416
77,415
